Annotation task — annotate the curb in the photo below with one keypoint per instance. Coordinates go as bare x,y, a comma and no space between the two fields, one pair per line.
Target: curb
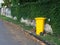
39,38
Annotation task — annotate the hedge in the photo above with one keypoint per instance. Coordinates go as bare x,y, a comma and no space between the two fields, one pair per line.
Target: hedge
31,10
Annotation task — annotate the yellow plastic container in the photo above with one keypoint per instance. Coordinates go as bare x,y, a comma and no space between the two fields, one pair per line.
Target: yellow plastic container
39,25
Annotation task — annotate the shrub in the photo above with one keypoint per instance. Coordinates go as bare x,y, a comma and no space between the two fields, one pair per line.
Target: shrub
32,10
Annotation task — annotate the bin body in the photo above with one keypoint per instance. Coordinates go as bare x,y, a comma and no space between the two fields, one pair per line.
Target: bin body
39,25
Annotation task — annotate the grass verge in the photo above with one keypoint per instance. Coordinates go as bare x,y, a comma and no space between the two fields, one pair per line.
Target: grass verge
16,22
51,39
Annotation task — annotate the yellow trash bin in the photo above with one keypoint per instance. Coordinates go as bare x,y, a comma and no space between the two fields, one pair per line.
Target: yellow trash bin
39,25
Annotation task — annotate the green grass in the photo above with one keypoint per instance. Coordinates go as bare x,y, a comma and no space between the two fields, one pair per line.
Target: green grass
52,39
8,19
16,22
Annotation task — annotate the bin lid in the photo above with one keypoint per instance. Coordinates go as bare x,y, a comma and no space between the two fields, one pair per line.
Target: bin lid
40,18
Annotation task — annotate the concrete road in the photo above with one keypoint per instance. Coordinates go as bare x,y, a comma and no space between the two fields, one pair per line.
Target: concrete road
11,35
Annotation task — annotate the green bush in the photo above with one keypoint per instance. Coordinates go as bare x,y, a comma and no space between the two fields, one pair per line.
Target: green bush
48,9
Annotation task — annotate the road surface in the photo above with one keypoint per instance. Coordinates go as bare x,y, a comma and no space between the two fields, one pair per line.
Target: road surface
11,35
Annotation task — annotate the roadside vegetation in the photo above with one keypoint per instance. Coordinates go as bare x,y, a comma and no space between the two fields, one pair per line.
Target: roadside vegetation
51,39
16,22
31,10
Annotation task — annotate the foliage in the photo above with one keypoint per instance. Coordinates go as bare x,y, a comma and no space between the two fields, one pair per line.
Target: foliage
7,3
49,9
53,40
